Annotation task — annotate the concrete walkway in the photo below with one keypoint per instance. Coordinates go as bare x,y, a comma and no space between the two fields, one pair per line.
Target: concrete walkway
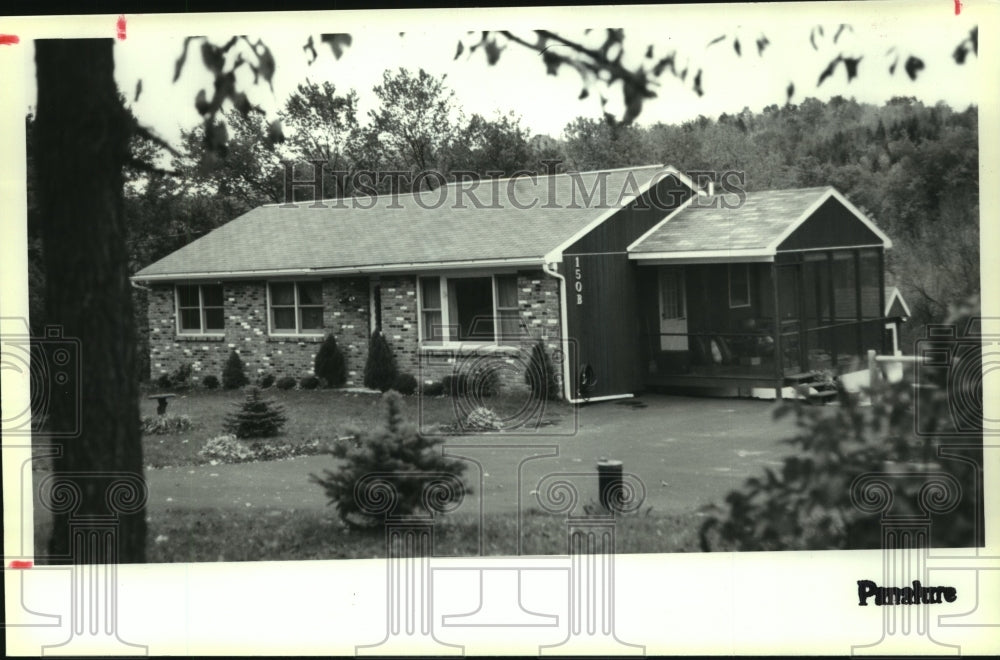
688,452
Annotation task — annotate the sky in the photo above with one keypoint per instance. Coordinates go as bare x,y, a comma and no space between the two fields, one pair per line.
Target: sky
518,82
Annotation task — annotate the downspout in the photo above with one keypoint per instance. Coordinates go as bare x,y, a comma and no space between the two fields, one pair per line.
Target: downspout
564,314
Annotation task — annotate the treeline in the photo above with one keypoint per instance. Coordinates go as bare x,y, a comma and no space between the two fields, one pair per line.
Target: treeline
912,168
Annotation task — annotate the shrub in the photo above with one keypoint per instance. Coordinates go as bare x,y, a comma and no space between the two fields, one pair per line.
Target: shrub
226,449
164,382
165,424
541,374
232,375
405,384
455,384
380,369
285,383
483,381
483,419
255,417
265,381
330,364
432,389
180,376
407,458
309,382
210,382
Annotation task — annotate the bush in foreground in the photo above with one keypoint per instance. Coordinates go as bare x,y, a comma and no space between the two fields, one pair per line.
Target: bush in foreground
411,460
256,417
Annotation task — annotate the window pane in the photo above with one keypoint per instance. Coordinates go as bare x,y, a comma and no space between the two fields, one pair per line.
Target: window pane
312,318
283,294
432,330
190,320
474,301
284,318
507,291
310,293
211,295
430,292
187,296
214,319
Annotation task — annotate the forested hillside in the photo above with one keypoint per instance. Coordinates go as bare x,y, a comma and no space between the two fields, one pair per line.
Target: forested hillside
912,168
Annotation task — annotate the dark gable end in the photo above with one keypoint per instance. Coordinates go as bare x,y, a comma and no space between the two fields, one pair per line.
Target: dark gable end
831,225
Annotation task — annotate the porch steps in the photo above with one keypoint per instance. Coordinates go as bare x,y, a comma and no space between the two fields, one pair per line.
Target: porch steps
821,391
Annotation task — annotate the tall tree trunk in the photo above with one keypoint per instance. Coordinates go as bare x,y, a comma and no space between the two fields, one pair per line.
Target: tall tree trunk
81,145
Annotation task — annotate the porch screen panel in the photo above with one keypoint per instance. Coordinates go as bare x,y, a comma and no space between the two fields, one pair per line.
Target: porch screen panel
818,337
869,284
430,312
507,309
844,295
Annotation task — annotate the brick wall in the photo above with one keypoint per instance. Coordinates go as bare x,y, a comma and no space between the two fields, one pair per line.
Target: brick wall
346,314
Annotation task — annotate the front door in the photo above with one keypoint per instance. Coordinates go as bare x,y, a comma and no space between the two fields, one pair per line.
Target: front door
673,309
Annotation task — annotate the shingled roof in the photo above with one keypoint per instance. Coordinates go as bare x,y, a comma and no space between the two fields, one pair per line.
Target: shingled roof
716,225
516,220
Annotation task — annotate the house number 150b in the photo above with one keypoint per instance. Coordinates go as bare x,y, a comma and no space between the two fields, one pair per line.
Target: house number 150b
578,284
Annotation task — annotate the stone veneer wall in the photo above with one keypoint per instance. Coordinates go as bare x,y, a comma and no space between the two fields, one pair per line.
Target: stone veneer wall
346,314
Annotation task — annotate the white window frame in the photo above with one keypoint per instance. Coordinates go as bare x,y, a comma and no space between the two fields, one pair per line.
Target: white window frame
447,325
729,278
298,332
202,332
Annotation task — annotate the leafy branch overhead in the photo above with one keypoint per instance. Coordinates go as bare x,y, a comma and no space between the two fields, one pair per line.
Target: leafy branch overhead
602,65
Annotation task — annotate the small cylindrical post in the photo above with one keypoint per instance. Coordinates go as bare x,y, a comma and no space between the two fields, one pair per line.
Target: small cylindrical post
609,482
872,368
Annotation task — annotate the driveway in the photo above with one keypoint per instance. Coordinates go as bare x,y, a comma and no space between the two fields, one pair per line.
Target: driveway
688,452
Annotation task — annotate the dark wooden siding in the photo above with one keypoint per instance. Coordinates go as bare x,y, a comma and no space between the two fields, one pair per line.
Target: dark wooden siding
832,225
897,311
604,322
604,327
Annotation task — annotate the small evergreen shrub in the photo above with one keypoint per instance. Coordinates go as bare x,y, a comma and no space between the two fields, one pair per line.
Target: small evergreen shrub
396,448
210,382
165,424
285,383
541,374
380,369
405,384
265,381
455,385
483,382
309,382
255,417
232,375
330,364
164,382
432,389
180,376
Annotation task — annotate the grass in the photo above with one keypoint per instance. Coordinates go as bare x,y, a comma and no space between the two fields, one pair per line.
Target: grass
312,414
204,535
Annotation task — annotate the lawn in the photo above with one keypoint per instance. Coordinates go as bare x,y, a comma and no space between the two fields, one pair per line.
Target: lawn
323,415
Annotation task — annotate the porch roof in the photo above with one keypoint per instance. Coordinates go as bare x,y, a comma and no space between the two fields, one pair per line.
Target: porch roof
719,228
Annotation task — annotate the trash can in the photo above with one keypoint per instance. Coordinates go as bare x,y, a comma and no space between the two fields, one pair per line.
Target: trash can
609,483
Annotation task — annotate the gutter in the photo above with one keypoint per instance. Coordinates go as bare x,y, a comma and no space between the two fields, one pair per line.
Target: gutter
564,334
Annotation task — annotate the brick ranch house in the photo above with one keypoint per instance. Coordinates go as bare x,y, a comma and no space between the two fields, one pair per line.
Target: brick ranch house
635,275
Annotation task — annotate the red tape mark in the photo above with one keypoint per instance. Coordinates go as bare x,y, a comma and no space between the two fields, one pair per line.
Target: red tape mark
958,7
21,563
9,39
121,28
